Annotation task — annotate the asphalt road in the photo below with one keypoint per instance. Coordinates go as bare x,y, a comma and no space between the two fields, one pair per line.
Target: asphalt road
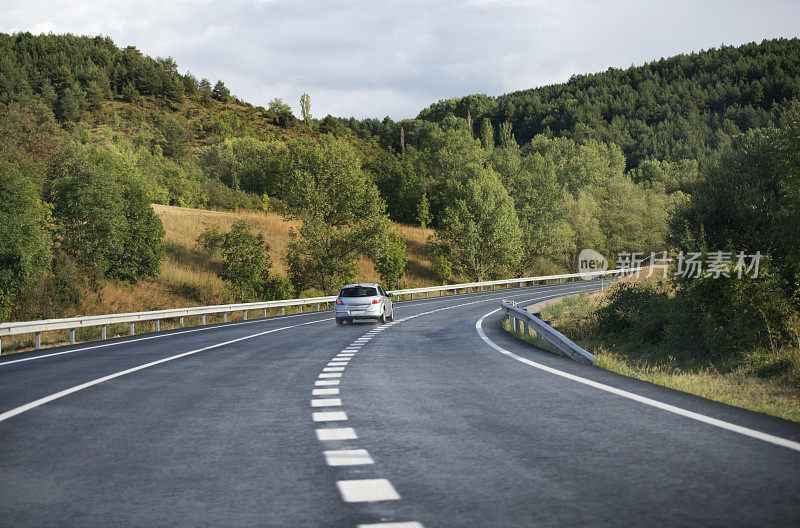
427,421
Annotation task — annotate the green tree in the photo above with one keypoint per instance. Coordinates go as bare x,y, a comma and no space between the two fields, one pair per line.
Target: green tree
246,262
103,214
221,92
25,241
423,212
282,111
390,259
176,138
341,211
305,108
481,227
487,134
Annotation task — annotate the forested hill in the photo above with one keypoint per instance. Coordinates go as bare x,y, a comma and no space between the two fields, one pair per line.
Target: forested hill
683,107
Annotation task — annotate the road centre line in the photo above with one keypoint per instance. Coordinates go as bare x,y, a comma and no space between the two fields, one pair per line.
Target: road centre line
41,401
327,434
746,431
329,416
326,402
392,525
367,490
348,457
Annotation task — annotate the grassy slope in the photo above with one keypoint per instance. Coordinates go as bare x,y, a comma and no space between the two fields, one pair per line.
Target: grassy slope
735,383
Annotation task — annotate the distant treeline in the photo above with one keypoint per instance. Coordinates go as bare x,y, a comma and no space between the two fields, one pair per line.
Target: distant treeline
683,107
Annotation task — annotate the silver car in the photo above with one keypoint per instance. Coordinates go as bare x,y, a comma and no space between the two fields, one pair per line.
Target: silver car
363,301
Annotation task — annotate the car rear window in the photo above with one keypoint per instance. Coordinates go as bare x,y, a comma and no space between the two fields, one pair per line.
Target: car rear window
358,291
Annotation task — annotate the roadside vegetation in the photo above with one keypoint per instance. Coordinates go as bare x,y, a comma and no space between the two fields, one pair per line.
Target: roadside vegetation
719,332
759,378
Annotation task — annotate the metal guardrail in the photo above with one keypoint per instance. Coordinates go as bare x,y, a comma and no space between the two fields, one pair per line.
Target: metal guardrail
545,335
74,323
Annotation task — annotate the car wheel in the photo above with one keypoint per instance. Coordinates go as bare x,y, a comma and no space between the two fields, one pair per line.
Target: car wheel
339,321
391,315
382,318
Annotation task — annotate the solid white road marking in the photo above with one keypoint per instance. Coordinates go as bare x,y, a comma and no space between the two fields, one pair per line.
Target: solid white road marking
329,416
331,375
367,490
326,402
348,457
392,525
324,392
336,433
322,383
337,364
41,401
333,369
746,431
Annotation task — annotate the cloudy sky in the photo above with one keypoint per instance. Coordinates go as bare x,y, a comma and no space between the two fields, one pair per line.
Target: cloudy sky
376,58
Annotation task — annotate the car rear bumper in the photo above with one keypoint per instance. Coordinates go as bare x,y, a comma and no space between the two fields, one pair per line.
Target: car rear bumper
351,312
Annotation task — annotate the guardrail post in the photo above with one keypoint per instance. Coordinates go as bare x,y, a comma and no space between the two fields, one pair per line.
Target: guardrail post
301,309
102,331
317,306
516,325
426,295
133,329
181,322
224,317
158,325
525,327
283,310
204,318
1,345
71,336
244,315
265,313
37,342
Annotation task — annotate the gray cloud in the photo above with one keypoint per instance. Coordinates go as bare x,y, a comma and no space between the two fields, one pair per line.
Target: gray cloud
370,59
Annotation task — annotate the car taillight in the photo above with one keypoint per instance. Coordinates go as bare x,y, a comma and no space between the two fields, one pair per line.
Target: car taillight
339,301
376,301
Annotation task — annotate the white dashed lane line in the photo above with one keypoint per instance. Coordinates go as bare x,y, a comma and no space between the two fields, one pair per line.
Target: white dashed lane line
336,433
392,525
331,375
324,392
329,416
367,490
326,402
348,457
333,369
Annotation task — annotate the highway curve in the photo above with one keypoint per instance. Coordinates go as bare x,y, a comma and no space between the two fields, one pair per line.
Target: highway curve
437,420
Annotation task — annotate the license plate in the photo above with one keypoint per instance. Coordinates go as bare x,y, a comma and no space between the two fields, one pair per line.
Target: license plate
356,312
